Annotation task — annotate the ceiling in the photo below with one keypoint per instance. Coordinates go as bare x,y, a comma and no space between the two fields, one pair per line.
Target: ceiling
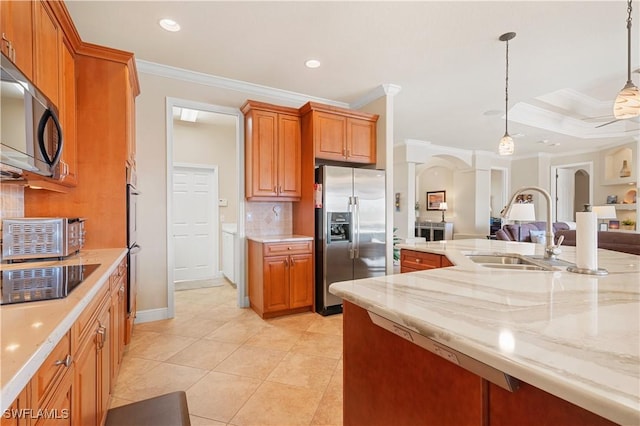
566,64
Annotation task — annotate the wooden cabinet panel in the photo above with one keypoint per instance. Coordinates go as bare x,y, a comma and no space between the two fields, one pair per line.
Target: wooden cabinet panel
330,136
16,19
276,283
294,247
13,416
361,141
50,373
47,43
289,156
412,260
68,166
300,280
58,411
272,152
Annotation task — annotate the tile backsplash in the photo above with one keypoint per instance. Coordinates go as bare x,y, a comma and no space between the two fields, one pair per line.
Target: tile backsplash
11,201
268,218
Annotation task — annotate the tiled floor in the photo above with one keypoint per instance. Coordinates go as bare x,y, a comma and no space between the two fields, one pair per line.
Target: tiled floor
236,368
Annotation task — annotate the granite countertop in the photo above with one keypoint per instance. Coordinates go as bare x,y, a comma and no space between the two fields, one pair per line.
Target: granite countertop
30,331
575,336
278,238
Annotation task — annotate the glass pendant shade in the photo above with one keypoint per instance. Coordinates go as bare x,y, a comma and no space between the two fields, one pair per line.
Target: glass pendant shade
506,145
627,104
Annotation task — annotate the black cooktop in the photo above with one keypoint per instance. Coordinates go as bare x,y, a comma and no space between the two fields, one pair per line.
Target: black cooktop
42,283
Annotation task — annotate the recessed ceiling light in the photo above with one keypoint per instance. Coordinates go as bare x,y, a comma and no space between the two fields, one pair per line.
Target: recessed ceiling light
312,63
169,25
189,115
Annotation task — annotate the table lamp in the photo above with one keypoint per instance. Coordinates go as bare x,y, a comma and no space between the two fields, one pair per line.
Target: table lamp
522,212
443,208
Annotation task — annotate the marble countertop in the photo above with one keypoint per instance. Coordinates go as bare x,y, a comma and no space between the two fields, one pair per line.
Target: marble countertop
30,331
278,238
575,336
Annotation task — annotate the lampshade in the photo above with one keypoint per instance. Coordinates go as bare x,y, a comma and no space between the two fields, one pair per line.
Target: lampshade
506,147
605,212
627,104
524,212
442,206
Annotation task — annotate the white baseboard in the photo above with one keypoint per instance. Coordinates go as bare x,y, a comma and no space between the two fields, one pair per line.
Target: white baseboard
151,315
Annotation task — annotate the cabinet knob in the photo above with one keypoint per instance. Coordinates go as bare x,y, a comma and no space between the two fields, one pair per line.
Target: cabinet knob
418,260
66,361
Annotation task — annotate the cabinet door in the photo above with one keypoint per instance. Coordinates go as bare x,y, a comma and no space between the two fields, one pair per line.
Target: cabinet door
16,18
67,110
57,412
289,156
104,339
361,141
118,324
262,133
85,396
276,283
131,123
301,280
47,51
329,134
13,415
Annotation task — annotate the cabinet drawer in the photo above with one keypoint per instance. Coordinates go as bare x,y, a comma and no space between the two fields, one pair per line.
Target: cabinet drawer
292,247
48,375
118,274
419,260
85,320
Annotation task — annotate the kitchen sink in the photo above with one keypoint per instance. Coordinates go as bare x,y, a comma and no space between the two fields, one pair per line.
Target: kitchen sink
510,261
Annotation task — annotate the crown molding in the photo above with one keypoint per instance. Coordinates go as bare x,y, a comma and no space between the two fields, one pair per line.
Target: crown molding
386,89
252,89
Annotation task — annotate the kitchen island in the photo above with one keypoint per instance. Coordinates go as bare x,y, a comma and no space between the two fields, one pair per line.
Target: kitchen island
567,344
30,332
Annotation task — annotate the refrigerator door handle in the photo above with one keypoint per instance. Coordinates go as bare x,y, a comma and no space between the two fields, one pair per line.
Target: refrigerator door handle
351,227
357,221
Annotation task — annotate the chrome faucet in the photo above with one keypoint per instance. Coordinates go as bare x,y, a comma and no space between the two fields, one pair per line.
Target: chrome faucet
552,250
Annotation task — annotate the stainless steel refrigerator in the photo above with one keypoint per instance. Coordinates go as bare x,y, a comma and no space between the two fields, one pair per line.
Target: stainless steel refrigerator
350,229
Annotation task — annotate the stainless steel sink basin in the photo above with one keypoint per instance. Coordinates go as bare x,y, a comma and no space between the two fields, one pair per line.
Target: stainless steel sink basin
509,261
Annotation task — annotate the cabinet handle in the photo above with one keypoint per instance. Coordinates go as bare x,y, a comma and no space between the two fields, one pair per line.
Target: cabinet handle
66,361
122,289
286,263
292,262
348,153
344,152
417,260
275,189
102,336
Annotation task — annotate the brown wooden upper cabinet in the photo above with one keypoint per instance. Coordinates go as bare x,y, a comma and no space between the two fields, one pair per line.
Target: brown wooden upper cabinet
47,43
16,19
341,134
272,152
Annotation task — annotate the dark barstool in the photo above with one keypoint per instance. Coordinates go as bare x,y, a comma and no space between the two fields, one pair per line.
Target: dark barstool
165,410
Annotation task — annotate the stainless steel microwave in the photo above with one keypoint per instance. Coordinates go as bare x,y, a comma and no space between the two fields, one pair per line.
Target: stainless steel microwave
30,132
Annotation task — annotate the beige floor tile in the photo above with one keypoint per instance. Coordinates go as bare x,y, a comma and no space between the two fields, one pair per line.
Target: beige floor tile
118,402
224,313
237,331
331,324
188,327
219,396
297,322
158,346
326,345
281,339
202,421
304,370
251,361
133,368
329,410
204,354
278,404
187,309
159,380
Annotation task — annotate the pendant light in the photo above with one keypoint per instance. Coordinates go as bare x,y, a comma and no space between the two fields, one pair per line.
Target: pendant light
506,143
627,104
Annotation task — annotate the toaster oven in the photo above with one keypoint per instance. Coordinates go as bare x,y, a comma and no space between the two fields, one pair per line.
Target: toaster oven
41,237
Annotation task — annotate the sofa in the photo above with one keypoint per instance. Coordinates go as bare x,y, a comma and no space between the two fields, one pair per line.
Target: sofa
626,242
522,232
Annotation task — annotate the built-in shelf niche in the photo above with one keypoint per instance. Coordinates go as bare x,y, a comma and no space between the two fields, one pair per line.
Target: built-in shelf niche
613,162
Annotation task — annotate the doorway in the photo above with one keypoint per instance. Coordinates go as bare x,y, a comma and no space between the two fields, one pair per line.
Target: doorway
203,137
572,188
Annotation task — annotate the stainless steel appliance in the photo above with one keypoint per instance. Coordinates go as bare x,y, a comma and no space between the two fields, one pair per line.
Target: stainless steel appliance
30,133
350,229
42,283
41,237
132,244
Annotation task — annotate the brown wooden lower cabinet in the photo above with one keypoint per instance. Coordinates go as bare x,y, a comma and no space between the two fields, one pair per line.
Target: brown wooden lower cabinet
413,260
280,277
74,384
391,381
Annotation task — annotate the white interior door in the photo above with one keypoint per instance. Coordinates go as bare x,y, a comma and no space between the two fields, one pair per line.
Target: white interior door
564,195
195,222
